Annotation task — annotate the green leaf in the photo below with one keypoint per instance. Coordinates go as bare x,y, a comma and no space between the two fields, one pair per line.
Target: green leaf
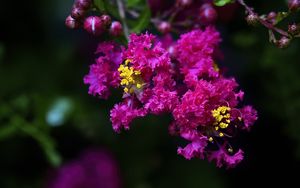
7,131
221,3
143,21
111,9
100,4
280,16
134,3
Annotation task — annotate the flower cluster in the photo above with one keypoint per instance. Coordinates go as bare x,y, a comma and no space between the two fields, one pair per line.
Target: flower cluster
94,168
186,83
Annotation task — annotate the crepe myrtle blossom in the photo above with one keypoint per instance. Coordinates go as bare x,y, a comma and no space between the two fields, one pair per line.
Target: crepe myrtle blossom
94,168
186,83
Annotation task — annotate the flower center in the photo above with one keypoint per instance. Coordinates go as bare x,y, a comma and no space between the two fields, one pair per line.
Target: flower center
130,78
222,116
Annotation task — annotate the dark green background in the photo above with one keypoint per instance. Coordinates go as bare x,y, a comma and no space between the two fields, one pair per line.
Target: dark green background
42,64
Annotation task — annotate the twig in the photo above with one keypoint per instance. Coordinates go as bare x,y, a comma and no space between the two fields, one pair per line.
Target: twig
121,10
263,22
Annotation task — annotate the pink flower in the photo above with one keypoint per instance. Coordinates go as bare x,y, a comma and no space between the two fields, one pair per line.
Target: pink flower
146,54
196,147
249,116
223,158
194,51
93,169
122,114
103,74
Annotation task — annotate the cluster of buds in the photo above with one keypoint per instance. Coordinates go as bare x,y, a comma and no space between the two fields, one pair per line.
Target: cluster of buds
271,20
183,15
95,25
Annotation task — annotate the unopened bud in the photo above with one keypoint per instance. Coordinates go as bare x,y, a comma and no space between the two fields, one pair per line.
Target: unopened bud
106,19
208,14
252,19
116,28
294,29
77,12
294,5
284,42
94,25
71,23
164,27
272,17
83,4
184,3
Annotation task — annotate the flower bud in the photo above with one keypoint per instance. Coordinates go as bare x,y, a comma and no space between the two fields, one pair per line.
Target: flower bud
71,23
208,14
116,28
83,4
294,5
294,29
94,25
284,42
252,19
77,12
184,3
105,19
164,27
272,17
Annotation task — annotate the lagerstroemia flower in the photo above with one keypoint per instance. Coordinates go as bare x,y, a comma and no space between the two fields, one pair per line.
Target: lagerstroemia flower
185,82
93,169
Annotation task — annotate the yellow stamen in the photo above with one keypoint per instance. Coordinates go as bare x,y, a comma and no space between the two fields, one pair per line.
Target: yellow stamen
130,78
127,61
222,117
223,125
216,67
210,139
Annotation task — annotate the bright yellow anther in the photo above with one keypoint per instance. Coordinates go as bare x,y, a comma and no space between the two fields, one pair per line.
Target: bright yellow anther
221,134
223,125
127,61
210,139
222,117
130,78
216,67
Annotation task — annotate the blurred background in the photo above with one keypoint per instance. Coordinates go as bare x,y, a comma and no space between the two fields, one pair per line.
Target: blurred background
48,119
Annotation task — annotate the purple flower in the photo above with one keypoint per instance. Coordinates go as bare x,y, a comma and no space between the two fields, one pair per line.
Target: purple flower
93,169
194,51
249,116
196,147
104,74
122,114
146,54
222,157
